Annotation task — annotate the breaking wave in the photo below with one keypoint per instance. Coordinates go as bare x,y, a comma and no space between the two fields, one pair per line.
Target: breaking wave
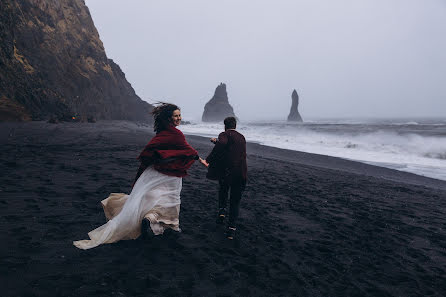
415,148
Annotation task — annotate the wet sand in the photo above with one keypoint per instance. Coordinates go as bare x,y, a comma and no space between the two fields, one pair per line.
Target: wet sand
309,225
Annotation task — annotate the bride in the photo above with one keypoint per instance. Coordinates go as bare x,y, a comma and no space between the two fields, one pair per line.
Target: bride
155,197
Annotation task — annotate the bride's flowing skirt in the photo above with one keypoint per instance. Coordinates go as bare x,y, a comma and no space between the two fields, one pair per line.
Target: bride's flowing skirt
155,196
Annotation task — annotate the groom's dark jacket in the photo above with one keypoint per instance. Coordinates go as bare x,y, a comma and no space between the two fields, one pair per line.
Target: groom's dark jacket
227,161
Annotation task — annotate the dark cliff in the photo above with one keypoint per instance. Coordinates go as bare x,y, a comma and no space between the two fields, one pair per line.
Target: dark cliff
53,64
294,115
218,108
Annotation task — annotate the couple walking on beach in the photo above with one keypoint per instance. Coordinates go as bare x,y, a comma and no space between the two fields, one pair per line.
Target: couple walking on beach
153,204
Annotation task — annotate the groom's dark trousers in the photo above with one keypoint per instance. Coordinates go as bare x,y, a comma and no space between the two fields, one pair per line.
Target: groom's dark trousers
235,190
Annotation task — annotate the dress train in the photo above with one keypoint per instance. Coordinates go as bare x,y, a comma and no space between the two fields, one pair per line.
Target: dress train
155,196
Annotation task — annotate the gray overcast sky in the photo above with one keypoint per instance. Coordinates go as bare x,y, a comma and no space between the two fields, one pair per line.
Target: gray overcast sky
346,58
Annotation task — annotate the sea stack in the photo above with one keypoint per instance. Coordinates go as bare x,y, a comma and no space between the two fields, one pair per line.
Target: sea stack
218,108
294,115
53,66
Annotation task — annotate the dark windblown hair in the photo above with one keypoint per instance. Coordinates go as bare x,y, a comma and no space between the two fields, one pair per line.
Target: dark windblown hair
162,114
230,123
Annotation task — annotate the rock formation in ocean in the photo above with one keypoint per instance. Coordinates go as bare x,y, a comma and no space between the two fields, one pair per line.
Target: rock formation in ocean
218,108
294,115
53,65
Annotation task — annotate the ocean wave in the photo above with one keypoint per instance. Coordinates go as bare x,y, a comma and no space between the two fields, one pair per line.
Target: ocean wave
399,147
408,123
351,145
440,156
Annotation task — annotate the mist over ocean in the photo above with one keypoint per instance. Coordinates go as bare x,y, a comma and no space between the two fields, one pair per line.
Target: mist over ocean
416,146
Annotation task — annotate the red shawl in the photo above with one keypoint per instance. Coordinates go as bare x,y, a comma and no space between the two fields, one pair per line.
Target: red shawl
169,153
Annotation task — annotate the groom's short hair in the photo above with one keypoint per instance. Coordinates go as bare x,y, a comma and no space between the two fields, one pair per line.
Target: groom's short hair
230,123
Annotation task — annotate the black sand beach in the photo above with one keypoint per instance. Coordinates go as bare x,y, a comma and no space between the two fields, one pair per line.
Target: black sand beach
310,225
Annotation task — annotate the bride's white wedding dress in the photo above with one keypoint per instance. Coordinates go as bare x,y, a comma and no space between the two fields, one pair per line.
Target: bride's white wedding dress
155,196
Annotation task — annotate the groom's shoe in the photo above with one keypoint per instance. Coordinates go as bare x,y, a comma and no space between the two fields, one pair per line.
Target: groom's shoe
220,219
230,233
221,216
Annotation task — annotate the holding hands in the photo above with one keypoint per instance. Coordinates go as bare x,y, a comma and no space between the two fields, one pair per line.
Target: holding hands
203,162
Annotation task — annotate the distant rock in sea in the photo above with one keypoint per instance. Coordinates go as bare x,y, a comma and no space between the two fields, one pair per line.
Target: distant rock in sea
218,108
294,115
54,66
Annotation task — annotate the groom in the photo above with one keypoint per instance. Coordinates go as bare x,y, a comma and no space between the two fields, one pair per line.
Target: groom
227,164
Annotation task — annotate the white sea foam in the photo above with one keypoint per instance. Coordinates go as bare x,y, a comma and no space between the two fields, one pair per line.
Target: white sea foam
421,152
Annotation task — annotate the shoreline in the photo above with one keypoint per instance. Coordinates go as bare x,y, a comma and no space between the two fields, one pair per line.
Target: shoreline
336,163
275,153
415,149
309,225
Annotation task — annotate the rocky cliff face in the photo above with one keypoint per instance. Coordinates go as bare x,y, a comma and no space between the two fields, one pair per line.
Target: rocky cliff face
294,115
218,108
53,64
